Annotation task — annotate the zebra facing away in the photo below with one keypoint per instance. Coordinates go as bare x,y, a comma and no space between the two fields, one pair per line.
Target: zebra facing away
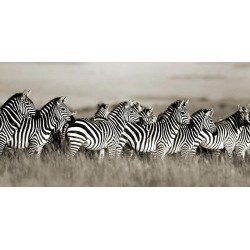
101,134
228,130
34,133
200,120
12,113
156,137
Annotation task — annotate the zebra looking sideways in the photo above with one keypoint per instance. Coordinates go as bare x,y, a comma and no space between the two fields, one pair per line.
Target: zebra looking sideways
228,129
59,134
101,134
156,137
147,117
34,133
200,120
12,113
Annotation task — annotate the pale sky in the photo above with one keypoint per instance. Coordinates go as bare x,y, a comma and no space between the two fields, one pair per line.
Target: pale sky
86,84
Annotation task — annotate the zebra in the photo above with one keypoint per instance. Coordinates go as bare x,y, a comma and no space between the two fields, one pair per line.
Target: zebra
200,120
228,131
59,134
243,143
12,113
101,134
147,116
156,137
102,111
34,133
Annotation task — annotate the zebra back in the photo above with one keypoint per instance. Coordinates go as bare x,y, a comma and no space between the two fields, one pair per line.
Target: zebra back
96,135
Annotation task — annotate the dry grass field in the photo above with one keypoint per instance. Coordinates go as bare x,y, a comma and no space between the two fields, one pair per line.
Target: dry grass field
85,170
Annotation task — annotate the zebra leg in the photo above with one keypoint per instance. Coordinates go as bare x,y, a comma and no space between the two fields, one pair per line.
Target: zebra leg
73,148
159,152
240,153
112,151
101,155
2,145
120,146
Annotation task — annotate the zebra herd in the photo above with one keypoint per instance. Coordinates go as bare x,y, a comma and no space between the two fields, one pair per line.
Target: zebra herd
129,125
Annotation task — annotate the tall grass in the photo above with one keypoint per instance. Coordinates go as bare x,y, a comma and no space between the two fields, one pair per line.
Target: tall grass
55,170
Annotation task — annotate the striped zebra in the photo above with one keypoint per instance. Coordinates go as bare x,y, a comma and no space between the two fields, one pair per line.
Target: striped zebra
228,131
101,134
200,120
34,133
59,134
147,117
156,137
102,111
12,113
243,143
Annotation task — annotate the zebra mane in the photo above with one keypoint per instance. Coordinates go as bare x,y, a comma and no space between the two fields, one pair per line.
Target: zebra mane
53,102
199,111
117,106
15,96
172,106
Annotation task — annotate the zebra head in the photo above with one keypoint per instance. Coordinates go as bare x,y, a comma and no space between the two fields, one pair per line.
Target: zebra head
182,114
146,116
27,107
243,115
208,123
132,111
102,111
62,111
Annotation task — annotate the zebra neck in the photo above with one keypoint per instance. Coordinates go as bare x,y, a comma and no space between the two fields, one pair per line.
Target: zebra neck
12,115
197,126
48,120
172,123
232,121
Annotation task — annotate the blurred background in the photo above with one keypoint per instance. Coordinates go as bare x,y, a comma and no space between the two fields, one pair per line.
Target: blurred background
219,85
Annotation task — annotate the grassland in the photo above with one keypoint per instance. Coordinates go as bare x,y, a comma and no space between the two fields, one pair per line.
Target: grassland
85,170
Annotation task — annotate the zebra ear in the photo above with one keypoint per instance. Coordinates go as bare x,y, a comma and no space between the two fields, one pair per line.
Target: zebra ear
212,112
181,104
151,109
25,93
139,107
74,113
106,106
208,113
187,102
59,102
240,108
63,100
28,93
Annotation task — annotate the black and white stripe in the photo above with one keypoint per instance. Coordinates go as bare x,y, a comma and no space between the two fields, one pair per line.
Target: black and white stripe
228,131
100,134
12,113
35,132
156,137
184,140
